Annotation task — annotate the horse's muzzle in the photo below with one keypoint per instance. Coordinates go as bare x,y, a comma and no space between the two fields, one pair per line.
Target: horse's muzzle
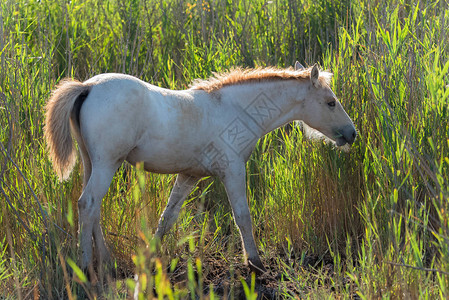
346,135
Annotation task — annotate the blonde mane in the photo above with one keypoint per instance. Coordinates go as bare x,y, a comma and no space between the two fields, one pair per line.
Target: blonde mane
245,75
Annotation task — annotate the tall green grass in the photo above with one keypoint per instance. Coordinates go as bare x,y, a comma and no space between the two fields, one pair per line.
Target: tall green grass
378,215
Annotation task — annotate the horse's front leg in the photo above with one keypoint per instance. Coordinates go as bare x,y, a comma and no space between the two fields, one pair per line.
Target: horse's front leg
182,188
234,181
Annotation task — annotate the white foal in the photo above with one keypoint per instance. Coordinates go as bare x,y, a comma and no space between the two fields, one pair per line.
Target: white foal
209,129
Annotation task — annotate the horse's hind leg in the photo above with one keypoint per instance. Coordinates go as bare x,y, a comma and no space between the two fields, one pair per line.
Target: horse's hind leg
101,252
87,164
89,206
179,193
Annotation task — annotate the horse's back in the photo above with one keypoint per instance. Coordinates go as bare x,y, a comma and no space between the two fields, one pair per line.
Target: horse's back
114,78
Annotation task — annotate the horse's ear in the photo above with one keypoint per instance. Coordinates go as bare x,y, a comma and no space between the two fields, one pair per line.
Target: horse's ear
298,66
314,74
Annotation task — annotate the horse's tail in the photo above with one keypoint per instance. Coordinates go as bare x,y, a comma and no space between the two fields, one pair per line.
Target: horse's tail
62,117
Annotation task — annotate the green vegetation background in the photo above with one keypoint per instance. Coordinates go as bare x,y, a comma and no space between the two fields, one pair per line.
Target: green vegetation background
380,212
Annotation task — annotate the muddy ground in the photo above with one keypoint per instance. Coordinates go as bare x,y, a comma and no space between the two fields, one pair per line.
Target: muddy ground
226,276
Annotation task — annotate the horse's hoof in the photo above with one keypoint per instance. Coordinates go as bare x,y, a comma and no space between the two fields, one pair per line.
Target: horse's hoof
258,268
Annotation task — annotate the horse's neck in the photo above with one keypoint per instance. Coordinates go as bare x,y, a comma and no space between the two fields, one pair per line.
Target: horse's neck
268,105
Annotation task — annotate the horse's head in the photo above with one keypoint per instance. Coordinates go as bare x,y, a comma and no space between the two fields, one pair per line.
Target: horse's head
323,111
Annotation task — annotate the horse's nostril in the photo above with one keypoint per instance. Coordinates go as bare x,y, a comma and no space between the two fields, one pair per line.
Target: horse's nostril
350,136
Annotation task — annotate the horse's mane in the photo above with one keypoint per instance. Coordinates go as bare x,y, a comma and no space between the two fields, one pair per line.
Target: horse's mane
243,75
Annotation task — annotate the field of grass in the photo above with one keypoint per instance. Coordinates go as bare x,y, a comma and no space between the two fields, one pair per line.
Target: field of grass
370,223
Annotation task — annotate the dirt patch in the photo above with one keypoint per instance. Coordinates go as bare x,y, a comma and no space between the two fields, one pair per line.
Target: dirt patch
227,276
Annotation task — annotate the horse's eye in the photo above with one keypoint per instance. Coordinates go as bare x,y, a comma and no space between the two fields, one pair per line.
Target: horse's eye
331,104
